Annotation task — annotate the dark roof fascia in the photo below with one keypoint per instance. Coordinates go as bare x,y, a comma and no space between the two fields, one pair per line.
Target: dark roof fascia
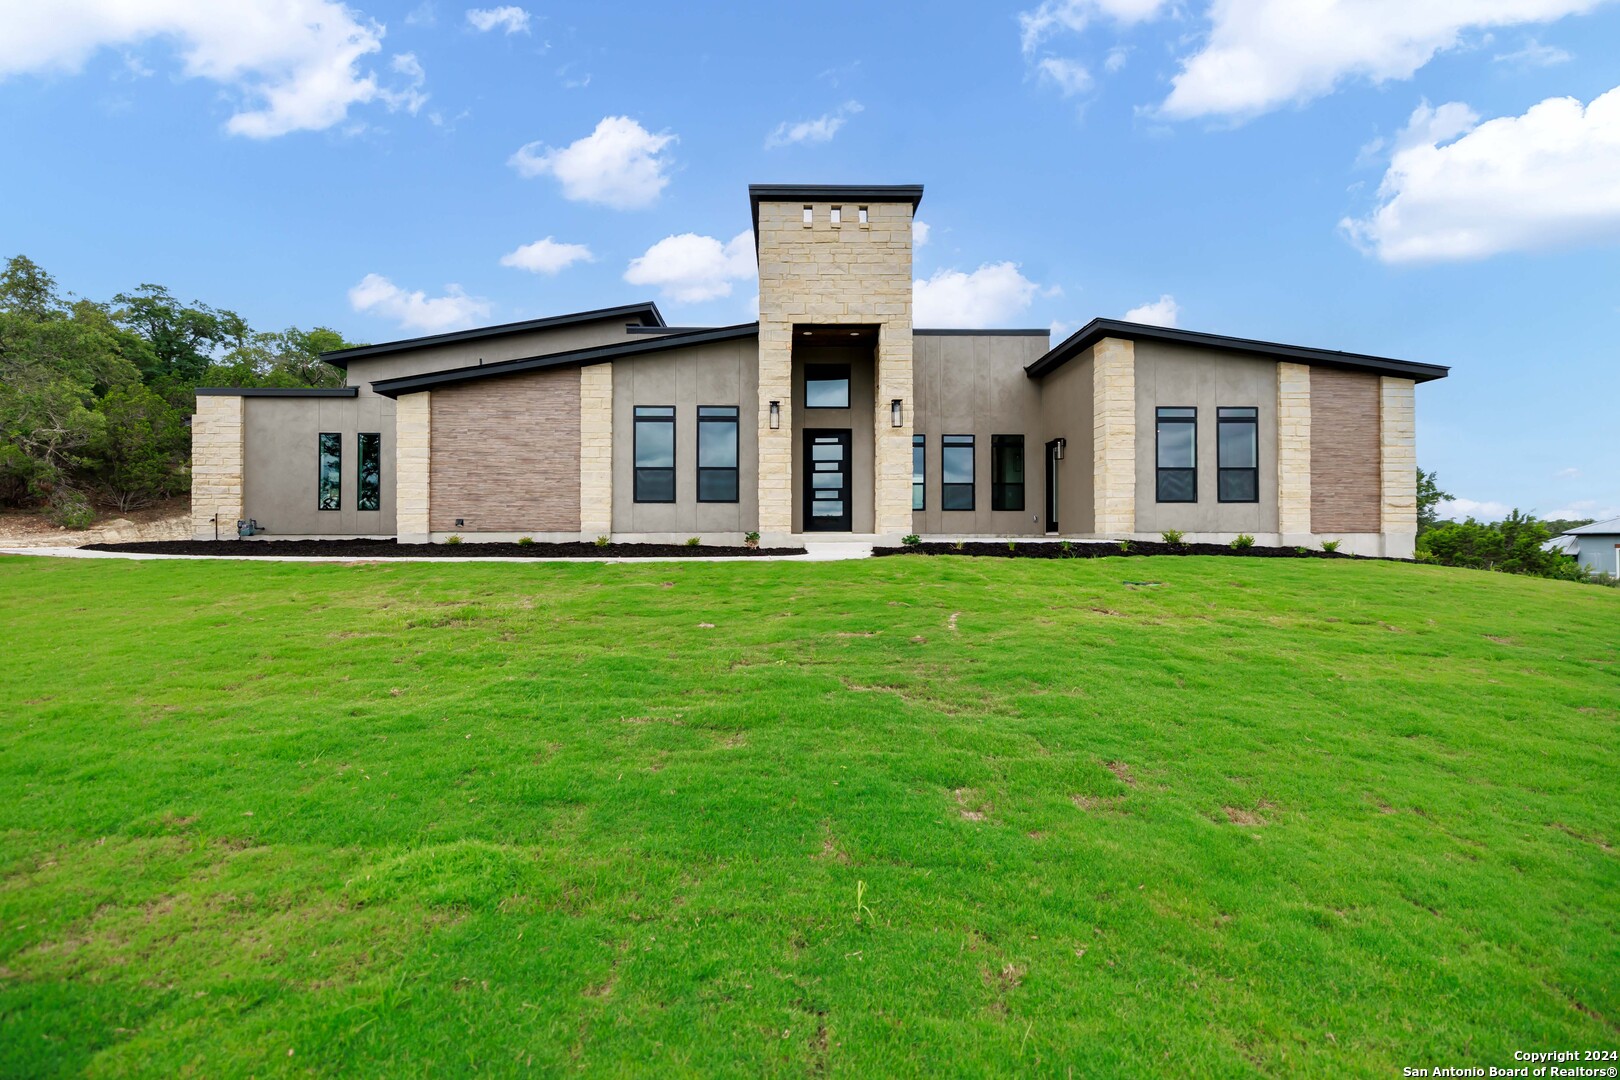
647,314
1098,329
598,354
1045,333
278,391
842,193
665,329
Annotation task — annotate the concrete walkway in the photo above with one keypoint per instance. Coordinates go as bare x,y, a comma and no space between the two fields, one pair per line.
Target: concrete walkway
813,553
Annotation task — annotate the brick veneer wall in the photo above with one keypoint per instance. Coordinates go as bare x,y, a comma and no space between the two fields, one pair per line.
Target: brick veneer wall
1346,455
506,454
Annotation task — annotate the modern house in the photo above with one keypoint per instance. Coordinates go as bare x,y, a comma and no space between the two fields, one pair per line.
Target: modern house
832,416
1596,546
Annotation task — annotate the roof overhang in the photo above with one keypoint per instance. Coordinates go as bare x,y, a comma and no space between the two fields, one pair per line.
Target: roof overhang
1098,329
278,391
599,354
838,193
643,314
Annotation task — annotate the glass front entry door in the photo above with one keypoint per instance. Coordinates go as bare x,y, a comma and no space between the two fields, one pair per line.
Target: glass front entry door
826,480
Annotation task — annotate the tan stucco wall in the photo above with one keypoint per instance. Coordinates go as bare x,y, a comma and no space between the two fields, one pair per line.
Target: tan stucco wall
977,386
851,274
282,453
1182,375
861,451
363,372
1114,437
216,466
1068,406
719,373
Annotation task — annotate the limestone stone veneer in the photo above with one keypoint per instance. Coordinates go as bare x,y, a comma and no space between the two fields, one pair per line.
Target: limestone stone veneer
1397,447
1294,452
596,450
1114,436
217,450
413,455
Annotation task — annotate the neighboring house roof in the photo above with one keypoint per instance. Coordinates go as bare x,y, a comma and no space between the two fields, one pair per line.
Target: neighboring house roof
1564,544
1097,329
597,354
1610,527
840,193
644,314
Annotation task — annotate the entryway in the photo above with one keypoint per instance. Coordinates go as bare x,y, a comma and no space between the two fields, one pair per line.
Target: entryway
826,480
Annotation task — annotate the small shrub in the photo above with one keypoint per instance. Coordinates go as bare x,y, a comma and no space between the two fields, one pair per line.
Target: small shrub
1124,547
452,539
70,510
1302,551
751,539
1012,545
1171,537
1330,545
1242,542
525,541
693,541
1067,548
911,540
602,541
957,545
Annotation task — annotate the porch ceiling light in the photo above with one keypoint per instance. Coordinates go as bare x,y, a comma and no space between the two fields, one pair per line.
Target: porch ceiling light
896,414
776,415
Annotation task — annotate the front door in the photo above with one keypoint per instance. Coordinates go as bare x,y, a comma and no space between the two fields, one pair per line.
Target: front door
1052,460
826,480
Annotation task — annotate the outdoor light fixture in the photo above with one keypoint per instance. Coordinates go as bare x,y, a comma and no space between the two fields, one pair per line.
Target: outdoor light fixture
896,414
776,415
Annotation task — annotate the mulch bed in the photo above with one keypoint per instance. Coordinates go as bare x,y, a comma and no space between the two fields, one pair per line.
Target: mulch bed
1049,549
390,549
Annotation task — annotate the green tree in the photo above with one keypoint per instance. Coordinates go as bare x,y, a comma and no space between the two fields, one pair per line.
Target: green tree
139,453
1514,545
291,357
183,340
1429,498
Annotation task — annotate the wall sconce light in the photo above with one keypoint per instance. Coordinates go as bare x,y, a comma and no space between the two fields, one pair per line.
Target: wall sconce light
896,414
776,415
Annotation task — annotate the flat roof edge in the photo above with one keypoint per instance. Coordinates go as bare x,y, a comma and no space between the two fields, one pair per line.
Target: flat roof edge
278,391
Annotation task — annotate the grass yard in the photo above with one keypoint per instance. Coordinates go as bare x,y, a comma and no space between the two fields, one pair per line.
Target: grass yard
1264,817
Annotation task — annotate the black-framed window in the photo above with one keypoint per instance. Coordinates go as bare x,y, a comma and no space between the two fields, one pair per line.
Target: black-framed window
329,472
654,452
919,472
956,472
826,386
717,453
368,492
1177,442
1237,454
1006,472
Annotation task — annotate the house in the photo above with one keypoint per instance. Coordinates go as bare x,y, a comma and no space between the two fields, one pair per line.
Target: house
832,416
1596,546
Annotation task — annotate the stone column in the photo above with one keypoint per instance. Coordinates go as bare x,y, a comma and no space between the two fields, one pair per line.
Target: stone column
1397,447
1294,452
1114,437
892,445
596,450
413,459
775,447
217,452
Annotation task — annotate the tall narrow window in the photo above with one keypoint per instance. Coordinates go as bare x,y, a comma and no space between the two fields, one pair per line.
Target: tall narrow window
655,454
1006,472
918,471
369,496
1237,455
717,453
1177,439
826,386
956,472
329,474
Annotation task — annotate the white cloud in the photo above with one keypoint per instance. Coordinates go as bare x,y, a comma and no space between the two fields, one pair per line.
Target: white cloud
990,295
1053,16
1117,57
919,232
1069,77
1454,509
1582,508
409,96
1263,54
1161,312
294,65
621,164
416,310
547,256
819,130
689,268
1535,54
1549,178
511,19
1569,474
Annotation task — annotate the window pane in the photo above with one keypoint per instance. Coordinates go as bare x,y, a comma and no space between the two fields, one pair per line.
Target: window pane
826,386
655,444
717,444
956,496
830,508
827,451
1246,413
956,459
1239,445
370,493
1239,485
1177,485
717,485
655,485
1006,472
918,467
1176,444
330,475
723,412
649,411
834,480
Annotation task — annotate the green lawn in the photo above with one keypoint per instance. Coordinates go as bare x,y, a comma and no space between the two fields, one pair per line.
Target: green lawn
1259,817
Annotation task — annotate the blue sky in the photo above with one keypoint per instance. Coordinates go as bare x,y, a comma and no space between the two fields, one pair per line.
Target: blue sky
1440,184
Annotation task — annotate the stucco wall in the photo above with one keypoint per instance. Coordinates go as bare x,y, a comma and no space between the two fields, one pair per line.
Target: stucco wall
505,454
281,454
1068,412
976,386
719,373
1346,473
1181,375
1599,552
365,371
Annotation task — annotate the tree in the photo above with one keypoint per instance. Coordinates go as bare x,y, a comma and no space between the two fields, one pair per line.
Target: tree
1514,545
291,357
183,339
1429,498
139,452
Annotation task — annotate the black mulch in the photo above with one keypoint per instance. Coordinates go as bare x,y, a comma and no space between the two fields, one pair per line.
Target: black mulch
389,549
1050,549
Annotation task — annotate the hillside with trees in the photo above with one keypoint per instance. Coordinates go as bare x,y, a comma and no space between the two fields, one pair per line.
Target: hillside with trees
94,396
